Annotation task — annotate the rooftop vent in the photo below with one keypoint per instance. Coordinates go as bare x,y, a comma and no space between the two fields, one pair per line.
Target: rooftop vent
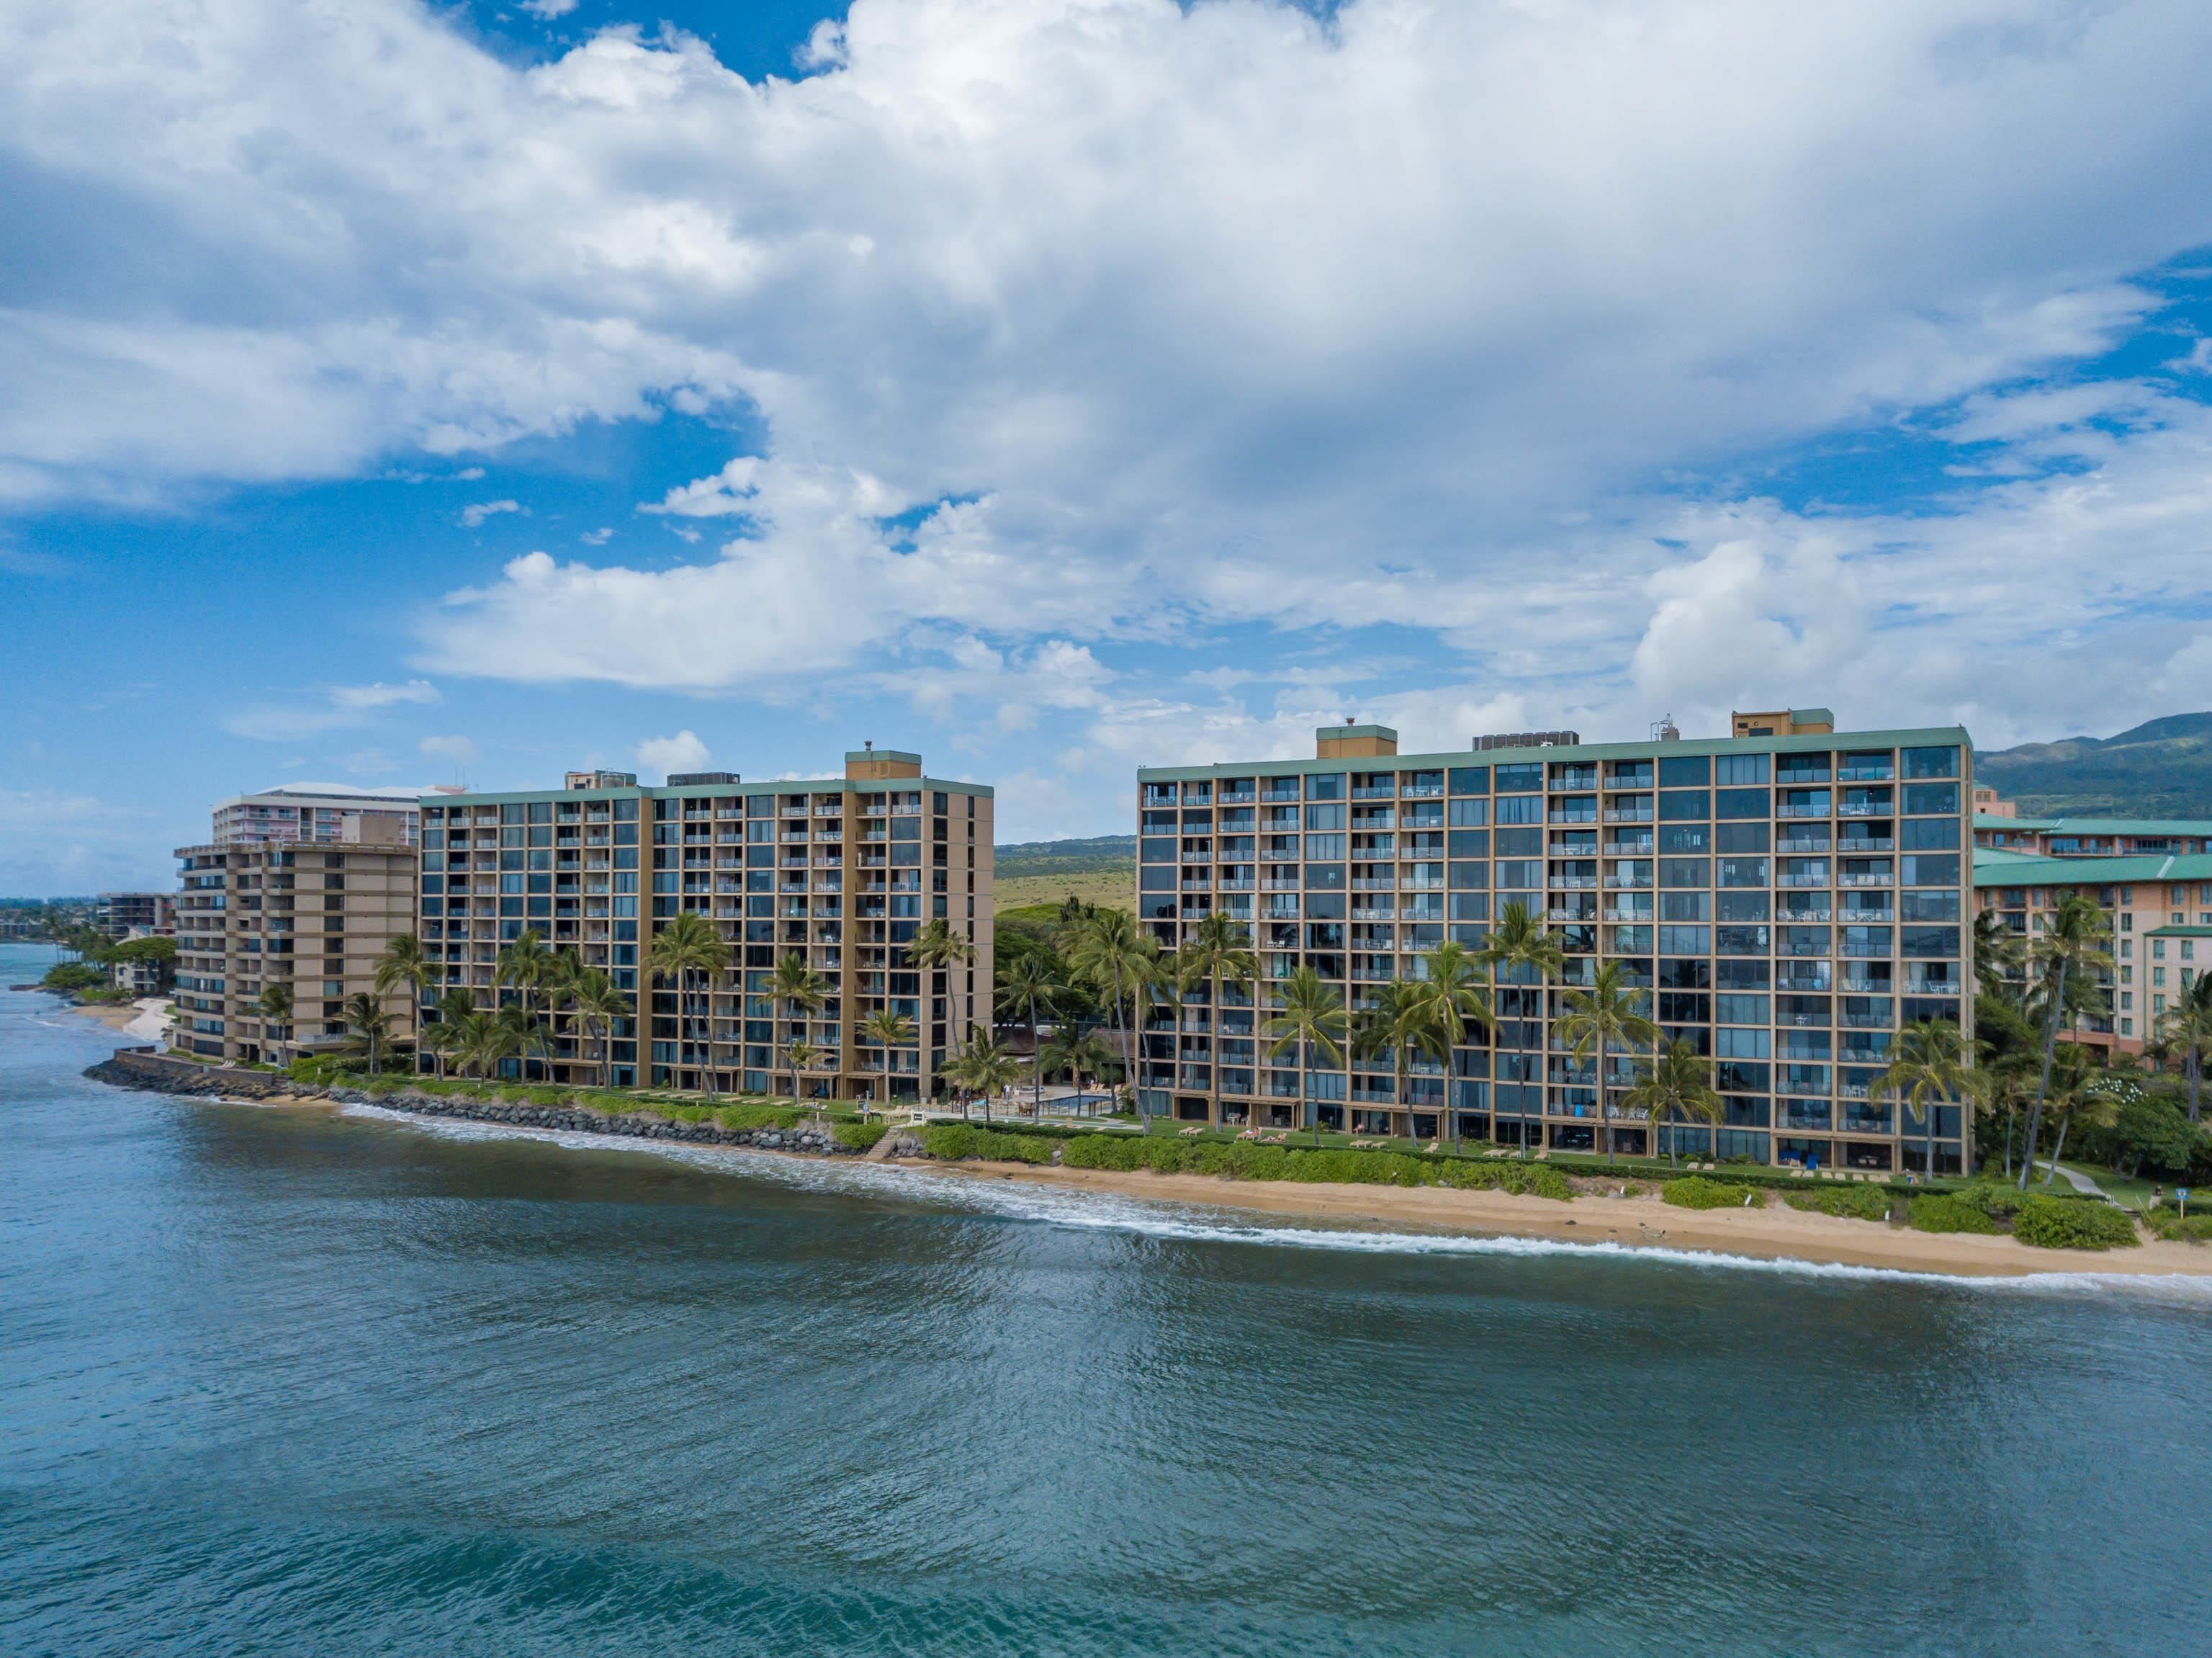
691,779
1528,739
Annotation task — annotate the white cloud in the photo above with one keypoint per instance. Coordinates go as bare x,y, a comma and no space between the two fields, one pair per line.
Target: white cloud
1094,321
340,706
597,538
682,752
548,11
460,750
472,517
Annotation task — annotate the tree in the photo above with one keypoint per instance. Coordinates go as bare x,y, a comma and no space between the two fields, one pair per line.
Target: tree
1217,952
523,964
1112,952
275,1007
984,1065
892,1030
1456,985
405,961
1609,1013
2072,944
2187,1028
369,1024
442,1038
596,1002
1927,1066
1312,1020
481,1040
1025,986
2006,1044
801,1055
1074,1051
1677,1078
1403,1022
1519,945
801,990
936,947
2081,1091
689,944
2000,957
523,1026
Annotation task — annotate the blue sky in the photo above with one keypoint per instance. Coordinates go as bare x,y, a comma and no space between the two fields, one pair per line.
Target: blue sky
403,395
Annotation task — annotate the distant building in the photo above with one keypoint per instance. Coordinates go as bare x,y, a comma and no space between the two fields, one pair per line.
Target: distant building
119,915
301,812
308,902
1789,895
841,872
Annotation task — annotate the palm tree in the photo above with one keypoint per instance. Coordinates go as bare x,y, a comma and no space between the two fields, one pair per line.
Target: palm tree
1520,947
366,1018
2079,1091
1313,1019
441,1037
1926,1064
595,1001
1025,984
1609,1012
523,1028
1403,1022
801,990
1456,985
801,1055
405,961
1217,951
275,1007
2072,943
1676,1078
1113,953
2000,955
934,948
2187,1028
686,944
892,1030
1074,1051
482,1040
986,1065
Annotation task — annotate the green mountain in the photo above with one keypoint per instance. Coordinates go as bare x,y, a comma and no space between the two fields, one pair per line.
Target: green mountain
1067,857
2161,769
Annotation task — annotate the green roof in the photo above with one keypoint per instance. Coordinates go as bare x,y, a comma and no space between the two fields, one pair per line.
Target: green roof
1999,868
2192,826
756,786
2181,932
1822,743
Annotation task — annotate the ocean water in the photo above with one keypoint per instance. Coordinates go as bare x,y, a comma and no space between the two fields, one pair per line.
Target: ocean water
295,1382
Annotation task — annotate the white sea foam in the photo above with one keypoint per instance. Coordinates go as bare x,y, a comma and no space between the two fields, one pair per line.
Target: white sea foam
1202,1223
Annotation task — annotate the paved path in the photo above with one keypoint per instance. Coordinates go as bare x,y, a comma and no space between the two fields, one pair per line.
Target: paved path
2081,1183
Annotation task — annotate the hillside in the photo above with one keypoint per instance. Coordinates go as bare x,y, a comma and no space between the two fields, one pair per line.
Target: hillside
1101,869
2161,769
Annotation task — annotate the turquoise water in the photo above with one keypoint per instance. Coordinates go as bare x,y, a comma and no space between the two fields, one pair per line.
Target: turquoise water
295,1383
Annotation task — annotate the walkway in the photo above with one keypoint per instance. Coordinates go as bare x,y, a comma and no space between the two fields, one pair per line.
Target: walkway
2081,1183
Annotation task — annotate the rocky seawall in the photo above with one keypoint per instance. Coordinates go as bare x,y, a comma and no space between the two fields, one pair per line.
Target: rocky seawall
155,1073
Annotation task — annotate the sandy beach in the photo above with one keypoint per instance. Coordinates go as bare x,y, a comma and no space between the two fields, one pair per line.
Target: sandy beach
147,1017
1775,1232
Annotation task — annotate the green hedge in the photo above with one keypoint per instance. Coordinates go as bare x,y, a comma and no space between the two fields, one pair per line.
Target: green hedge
859,1136
1938,1212
1859,1203
1696,1191
1242,1160
760,1117
2063,1223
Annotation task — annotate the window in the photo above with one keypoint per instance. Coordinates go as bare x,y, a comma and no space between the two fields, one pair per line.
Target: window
1682,804
1470,780
1931,762
1519,780
1469,814
1685,769
1520,808
1740,803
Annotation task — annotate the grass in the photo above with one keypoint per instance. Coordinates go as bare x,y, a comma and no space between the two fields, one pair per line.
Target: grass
1110,888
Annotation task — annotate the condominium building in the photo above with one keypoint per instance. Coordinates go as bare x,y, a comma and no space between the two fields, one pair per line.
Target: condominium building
842,872
1790,898
311,914
2089,838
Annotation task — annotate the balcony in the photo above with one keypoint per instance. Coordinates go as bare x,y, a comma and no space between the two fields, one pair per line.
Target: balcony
1817,878
1632,916
1786,810
1421,884
1198,858
1804,842
1578,883
1275,886
1882,773
1422,791
1202,885
1866,809
1881,879
1628,814
1623,883
1375,791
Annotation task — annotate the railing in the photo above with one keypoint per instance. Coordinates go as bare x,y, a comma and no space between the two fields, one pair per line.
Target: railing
1866,773
1866,809
1272,886
1788,880
1421,790
1421,884
1787,810
1803,844
1628,814
1803,917
1628,883
1631,917
1576,883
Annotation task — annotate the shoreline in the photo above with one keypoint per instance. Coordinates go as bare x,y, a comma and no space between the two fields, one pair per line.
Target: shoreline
1776,1233
1772,1233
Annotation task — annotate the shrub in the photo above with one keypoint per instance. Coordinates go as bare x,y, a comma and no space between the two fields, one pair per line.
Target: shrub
73,976
1997,1201
1936,1212
2170,1225
857,1136
686,1114
1696,1191
1241,1160
953,1142
2073,1223
1862,1203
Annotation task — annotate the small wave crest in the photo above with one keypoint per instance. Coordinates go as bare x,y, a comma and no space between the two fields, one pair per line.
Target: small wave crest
1183,1221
